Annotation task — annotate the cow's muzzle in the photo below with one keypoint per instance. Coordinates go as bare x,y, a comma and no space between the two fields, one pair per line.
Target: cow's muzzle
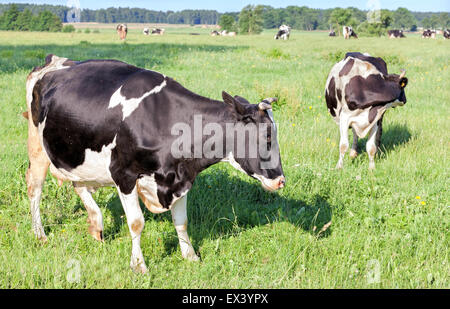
272,185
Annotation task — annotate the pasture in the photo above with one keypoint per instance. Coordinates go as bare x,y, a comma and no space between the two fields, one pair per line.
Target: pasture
389,227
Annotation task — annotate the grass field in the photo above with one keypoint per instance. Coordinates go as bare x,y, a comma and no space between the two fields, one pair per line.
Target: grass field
390,227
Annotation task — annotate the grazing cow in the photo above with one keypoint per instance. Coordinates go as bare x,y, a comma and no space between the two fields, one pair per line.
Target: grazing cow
146,31
427,34
446,34
332,33
215,33
232,33
358,92
283,32
107,123
392,34
122,31
348,32
157,31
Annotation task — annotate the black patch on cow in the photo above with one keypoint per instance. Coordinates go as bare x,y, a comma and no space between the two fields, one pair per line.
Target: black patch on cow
330,97
361,93
140,83
373,112
347,68
377,62
339,94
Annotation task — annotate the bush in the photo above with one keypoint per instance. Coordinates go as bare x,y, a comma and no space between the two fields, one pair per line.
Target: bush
87,30
68,29
96,31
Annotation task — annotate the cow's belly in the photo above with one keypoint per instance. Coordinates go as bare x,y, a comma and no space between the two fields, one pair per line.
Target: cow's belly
93,171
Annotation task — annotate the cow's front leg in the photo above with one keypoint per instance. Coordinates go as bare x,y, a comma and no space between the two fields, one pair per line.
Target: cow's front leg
371,146
135,220
95,218
354,150
343,144
179,217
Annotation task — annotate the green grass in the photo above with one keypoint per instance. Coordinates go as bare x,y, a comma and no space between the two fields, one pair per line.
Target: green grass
390,227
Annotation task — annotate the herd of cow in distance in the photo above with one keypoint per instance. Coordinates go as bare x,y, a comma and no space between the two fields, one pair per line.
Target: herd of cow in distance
102,123
284,32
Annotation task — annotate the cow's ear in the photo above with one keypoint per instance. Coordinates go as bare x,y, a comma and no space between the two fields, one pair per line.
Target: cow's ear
238,107
403,82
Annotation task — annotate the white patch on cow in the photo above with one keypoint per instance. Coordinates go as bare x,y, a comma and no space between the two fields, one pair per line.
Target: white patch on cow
55,65
130,105
230,159
94,171
149,188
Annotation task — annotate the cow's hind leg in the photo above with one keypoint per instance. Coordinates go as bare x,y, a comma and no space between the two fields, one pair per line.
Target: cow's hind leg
35,178
179,217
354,150
95,218
371,146
343,144
135,219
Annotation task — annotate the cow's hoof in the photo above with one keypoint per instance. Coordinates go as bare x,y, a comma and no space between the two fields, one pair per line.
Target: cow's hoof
191,256
353,154
40,235
139,268
96,233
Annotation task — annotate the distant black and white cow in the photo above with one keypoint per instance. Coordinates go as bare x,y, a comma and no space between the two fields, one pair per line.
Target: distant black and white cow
122,31
146,31
157,31
348,32
332,33
427,34
393,34
107,123
215,33
358,92
446,34
283,32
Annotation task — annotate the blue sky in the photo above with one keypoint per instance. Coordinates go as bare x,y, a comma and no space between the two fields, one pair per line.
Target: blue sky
237,5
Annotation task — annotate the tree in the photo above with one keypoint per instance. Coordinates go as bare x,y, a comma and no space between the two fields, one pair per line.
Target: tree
23,22
341,17
404,19
250,19
227,22
10,18
444,20
376,28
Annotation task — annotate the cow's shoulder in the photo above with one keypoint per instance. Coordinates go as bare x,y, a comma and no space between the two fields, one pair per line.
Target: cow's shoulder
379,63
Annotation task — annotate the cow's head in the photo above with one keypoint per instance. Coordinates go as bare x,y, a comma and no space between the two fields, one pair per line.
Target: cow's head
256,131
376,89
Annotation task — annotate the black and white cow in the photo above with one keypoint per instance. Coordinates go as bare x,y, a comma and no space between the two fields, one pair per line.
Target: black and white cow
446,34
122,31
107,123
215,33
427,34
146,31
348,32
283,32
358,92
157,31
332,33
393,34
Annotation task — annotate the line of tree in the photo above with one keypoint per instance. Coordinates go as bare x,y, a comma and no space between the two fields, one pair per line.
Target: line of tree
252,19
25,20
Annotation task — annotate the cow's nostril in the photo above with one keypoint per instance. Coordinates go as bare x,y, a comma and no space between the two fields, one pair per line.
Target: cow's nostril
281,182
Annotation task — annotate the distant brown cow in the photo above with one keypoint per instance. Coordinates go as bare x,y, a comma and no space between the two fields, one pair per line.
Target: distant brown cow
122,31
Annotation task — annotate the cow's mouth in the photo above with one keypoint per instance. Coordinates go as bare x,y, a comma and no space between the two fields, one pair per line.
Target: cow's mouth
271,185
